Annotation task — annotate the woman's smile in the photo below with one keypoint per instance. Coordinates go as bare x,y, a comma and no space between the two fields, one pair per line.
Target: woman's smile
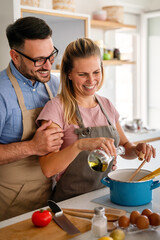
86,75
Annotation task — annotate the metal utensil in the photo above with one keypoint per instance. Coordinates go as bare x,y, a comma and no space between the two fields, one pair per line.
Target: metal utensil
61,219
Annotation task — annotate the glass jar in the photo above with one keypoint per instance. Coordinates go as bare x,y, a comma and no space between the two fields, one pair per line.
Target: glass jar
116,54
99,160
99,222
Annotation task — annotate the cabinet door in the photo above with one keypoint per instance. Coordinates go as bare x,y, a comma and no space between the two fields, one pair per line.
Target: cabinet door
66,27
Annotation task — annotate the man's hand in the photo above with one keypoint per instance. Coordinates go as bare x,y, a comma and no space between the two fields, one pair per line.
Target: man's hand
46,139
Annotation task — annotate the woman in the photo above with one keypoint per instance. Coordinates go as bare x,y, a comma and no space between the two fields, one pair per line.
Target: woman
88,120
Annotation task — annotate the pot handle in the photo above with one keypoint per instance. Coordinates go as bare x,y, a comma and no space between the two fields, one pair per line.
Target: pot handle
106,181
155,184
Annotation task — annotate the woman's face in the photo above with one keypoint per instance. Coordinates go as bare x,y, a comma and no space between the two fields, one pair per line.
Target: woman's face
86,75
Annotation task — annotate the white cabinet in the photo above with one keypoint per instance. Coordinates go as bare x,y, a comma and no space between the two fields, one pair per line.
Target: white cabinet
66,26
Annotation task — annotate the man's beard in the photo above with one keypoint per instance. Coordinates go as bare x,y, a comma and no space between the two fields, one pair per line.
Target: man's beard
23,70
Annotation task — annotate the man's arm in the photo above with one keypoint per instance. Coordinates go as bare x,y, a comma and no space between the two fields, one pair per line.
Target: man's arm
44,141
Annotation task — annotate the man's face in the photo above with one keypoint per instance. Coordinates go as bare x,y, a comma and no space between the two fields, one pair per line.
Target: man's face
35,49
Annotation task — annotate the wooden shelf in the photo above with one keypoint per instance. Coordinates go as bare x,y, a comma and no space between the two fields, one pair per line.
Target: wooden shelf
113,62
55,70
117,62
107,25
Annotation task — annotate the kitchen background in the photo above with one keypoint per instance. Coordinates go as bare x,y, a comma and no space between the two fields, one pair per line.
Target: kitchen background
131,82
133,88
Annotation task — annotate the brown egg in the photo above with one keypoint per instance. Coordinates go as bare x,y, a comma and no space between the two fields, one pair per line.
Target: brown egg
133,216
124,221
154,219
142,222
147,212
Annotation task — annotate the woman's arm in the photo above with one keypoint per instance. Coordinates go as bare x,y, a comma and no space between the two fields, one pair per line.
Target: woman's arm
58,161
131,150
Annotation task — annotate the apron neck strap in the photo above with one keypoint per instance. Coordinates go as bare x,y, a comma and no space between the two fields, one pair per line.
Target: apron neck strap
103,110
16,88
48,90
80,120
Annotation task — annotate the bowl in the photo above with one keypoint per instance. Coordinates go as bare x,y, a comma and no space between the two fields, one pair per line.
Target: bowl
99,15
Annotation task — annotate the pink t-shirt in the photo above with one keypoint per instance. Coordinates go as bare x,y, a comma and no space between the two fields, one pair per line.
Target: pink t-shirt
92,117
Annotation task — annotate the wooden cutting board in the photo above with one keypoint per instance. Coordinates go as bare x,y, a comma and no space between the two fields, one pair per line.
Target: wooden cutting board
25,230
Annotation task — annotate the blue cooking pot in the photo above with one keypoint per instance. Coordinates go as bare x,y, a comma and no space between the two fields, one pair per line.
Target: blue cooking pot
127,193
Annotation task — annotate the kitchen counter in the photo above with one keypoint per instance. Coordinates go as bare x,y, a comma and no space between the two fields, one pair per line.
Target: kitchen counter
143,135
90,201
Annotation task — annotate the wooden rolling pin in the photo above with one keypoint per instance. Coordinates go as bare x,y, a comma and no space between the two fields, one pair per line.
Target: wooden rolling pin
110,218
111,214
151,175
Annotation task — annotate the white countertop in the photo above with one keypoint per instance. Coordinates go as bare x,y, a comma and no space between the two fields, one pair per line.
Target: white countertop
142,135
85,201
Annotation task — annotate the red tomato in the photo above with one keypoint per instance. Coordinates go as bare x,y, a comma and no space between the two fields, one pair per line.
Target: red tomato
41,218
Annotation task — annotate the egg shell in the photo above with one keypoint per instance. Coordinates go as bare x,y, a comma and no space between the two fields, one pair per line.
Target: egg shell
133,216
142,222
154,219
147,212
124,221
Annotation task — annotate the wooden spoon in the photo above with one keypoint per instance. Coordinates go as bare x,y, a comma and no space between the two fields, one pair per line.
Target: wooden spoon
137,171
141,157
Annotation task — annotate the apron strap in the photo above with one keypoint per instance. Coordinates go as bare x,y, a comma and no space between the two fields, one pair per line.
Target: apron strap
103,110
48,90
17,89
28,116
79,118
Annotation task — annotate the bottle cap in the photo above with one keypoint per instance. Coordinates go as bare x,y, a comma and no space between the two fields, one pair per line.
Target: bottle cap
99,210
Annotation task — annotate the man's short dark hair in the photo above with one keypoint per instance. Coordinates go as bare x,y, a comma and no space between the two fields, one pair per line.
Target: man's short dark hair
27,28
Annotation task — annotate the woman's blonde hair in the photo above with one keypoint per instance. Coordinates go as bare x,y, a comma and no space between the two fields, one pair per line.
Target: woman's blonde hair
81,48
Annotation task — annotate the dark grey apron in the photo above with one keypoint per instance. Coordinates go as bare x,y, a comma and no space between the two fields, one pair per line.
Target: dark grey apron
78,178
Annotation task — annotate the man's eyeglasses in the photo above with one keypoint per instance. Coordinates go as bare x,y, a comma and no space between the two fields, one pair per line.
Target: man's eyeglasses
41,61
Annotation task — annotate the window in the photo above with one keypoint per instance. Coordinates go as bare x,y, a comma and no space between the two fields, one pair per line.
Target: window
124,76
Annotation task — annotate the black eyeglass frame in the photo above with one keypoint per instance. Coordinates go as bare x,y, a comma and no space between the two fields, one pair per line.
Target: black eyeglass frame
44,58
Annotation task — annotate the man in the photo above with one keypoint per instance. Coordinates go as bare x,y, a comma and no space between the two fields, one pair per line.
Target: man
25,86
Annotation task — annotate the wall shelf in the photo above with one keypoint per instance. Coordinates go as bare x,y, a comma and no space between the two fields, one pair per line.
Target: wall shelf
55,70
117,62
113,62
107,25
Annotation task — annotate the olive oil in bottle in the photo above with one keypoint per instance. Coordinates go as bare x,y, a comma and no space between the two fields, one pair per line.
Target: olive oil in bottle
99,160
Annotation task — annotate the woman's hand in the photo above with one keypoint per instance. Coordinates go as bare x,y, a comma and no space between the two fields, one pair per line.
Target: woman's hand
106,144
89,144
147,149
